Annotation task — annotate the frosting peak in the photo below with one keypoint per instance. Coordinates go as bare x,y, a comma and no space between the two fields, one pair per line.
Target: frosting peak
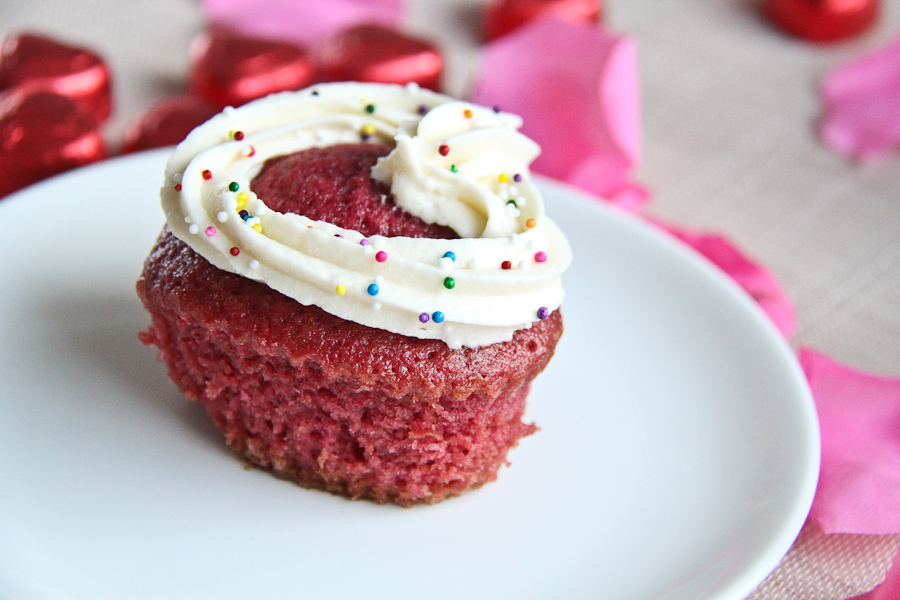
453,163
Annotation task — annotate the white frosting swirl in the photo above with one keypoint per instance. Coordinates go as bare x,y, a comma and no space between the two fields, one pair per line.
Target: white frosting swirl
459,165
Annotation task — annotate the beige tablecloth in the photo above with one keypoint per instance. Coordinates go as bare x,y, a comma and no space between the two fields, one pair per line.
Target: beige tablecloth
729,110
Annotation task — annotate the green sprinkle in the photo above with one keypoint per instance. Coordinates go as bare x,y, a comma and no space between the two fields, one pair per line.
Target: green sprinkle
233,186
513,202
370,108
449,283
453,168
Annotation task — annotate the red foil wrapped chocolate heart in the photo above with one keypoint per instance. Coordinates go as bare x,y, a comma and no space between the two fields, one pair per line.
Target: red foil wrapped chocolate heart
503,16
167,123
230,69
377,54
41,64
823,20
42,134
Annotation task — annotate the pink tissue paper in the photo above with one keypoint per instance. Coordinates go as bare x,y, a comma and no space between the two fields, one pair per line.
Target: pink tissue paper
859,418
576,88
861,98
300,21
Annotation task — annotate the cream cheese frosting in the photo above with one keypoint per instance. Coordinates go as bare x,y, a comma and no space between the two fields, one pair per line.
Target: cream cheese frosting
453,163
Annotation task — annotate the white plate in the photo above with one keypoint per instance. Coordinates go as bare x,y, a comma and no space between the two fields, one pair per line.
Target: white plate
677,457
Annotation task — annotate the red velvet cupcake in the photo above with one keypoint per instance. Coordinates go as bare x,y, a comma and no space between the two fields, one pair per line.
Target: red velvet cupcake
301,297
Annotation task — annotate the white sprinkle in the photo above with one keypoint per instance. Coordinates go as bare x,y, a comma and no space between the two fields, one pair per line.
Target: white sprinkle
474,263
520,200
523,264
376,306
513,237
188,219
176,177
517,213
368,249
379,280
503,194
254,264
259,207
193,229
513,190
222,216
445,263
246,149
532,244
377,242
228,110
504,186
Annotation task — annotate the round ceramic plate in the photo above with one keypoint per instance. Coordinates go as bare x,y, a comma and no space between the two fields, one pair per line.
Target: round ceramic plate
677,456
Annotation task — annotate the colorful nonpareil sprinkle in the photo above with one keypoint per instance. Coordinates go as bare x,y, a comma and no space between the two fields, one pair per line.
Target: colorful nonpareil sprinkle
424,317
234,186
543,313
437,317
364,242
381,256
235,251
449,283
210,230
221,216
449,254
370,108
530,223
453,168
340,290
517,177
506,265
503,178
177,187
444,149
372,289
540,256
467,113
207,174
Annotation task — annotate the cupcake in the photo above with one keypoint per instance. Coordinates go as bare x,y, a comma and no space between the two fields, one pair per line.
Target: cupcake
359,284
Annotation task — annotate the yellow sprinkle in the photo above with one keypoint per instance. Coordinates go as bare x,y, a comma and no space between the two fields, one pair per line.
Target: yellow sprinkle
503,178
530,223
368,129
242,196
340,290
467,113
257,227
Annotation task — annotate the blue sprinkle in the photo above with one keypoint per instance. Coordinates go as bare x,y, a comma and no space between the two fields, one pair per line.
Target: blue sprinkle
438,317
450,255
372,289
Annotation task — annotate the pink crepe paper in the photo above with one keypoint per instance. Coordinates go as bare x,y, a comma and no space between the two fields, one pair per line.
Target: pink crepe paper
576,88
889,589
861,100
753,278
301,21
859,418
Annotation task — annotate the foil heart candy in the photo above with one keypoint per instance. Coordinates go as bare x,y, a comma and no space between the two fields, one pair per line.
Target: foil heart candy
42,134
377,54
37,63
230,69
167,123
822,20
503,16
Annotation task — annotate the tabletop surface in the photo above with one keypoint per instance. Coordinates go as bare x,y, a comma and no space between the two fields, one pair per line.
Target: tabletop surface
729,111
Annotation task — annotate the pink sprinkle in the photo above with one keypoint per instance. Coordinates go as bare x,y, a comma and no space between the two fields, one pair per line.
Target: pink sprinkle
210,230
381,256
540,256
